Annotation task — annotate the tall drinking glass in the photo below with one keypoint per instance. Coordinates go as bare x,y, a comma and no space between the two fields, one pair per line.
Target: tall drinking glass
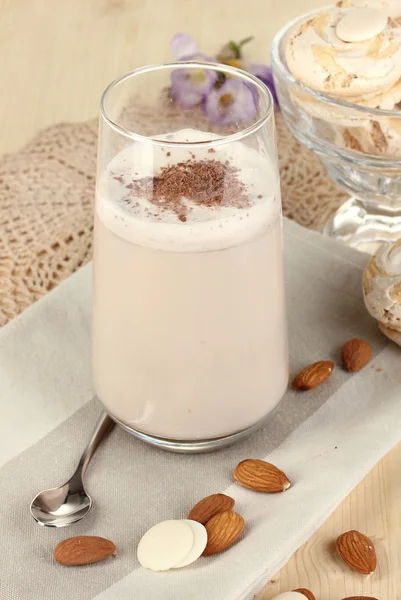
189,320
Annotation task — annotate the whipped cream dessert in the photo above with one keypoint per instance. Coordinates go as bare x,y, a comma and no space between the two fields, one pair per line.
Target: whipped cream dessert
392,8
374,137
352,52
189,325
346,53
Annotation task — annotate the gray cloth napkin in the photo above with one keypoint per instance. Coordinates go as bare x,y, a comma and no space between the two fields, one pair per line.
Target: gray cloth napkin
325,440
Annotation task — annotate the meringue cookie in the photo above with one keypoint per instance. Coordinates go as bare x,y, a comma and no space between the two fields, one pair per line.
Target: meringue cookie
392,334
386,100
333,114
381,137
317,57
382,285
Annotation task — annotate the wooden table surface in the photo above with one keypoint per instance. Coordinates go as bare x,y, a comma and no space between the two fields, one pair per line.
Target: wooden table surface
56,57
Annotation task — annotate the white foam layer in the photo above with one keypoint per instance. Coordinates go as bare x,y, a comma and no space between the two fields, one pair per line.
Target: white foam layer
207,228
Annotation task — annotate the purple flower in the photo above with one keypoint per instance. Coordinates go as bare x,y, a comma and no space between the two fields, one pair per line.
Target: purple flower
182,46
265,74
223,103
232,102
189,87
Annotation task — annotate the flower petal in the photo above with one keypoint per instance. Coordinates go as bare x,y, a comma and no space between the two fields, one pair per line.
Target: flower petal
233,102
265,74
200,57
190,86
182,45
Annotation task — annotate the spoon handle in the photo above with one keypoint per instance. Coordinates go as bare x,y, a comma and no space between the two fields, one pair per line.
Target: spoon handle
103,426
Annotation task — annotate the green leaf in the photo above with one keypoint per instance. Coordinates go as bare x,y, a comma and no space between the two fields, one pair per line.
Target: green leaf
232,50
245,41
236,48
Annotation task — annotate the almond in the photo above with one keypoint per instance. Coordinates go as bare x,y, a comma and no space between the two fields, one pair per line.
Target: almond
210,506
222,531
313,375
83,550
306,593
355,355
261,476
359,598
357,551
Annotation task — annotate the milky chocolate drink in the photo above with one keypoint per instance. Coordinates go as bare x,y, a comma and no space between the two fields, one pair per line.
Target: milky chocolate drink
189,326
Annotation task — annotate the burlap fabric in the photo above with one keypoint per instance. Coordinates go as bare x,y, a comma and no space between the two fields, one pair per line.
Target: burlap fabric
46,201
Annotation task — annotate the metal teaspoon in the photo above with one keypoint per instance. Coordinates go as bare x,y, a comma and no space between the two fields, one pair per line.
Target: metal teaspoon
69,503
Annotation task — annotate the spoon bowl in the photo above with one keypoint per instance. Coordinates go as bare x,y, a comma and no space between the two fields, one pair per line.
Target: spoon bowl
69,503
58,507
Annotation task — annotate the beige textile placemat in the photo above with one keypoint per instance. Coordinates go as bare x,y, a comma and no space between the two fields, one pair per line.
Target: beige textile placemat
46,199
326,441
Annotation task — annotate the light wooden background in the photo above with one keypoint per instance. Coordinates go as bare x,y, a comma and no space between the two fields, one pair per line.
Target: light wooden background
56,57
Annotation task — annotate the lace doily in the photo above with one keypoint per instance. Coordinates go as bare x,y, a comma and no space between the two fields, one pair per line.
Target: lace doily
46,200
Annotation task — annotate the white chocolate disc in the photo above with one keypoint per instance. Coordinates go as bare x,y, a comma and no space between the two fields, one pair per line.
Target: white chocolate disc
200,541
361,24
165,545
289,596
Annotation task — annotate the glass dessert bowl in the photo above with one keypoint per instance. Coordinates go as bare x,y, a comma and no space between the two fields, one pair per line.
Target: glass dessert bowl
352,122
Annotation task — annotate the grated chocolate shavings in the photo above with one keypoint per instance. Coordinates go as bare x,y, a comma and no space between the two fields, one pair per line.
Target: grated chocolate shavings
204,183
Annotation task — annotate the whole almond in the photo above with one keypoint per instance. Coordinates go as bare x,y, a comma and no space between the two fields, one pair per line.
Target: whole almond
306,593
359,598
313,375
357,551
222,531
210,506
355,355
83,550
261,476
